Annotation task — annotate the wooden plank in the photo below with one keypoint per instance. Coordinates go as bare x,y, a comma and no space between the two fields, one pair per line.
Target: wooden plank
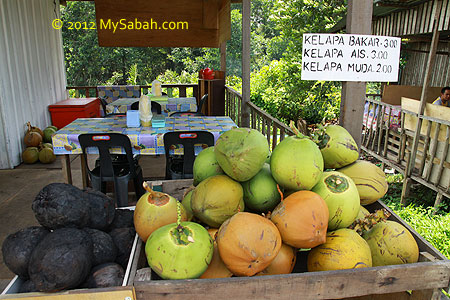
113,293
246,6
427,143
314,285
210,14
66,170
224,25
194,28
445,152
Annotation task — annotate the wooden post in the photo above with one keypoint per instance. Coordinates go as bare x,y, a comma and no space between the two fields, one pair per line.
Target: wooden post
245,109
223,56
426,83
359,21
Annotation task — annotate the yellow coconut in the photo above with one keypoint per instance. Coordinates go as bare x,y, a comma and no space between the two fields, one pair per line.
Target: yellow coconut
283,263
344,249
216,268
391,244
154,210
369,179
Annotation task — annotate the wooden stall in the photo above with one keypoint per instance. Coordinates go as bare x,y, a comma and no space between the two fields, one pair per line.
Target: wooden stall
420,280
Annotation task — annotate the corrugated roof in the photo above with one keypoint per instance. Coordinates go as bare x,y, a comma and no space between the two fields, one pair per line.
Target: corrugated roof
382,8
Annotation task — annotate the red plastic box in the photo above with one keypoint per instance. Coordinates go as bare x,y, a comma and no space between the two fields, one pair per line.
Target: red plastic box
66,111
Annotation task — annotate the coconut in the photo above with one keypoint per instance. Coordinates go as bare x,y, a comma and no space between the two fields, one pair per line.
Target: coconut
32,138
181,251
153,210
283,263
241,152
46,156
362,213
341,196
296,163
391,244
206,165
260,192
302,219
187,205
30,155
216,268
216,199
344,249
337,146
369,179
248,243
48,133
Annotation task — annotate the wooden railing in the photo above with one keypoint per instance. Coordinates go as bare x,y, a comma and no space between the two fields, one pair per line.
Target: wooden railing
271,127
90,91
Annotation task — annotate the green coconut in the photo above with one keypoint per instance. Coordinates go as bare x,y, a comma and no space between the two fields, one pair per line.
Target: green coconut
47,145
216,199
391,244
241,152
260,192
54,127
337,146
206,165
181,251
296,163
48,132
30,155
46,156
341,196
187,205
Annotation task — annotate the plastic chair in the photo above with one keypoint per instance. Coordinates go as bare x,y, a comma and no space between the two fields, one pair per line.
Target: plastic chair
189,113
182,167
107,170
104,103
156,107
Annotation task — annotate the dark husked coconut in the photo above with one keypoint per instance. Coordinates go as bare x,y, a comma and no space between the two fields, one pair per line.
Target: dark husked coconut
62,260
104,248
17,248
28,287
123,238
102,209
61,205
105,275
122,219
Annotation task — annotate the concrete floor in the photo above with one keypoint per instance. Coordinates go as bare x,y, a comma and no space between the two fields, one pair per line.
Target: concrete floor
19,186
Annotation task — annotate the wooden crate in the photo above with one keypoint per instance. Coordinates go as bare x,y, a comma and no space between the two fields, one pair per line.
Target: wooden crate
126,291
420,280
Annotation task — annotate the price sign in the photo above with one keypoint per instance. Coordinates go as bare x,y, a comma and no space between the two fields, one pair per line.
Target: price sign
350,57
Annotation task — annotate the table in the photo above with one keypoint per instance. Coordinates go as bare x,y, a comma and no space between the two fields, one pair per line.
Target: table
144,140
171,105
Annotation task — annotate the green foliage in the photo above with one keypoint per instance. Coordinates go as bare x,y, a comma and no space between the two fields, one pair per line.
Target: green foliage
419,213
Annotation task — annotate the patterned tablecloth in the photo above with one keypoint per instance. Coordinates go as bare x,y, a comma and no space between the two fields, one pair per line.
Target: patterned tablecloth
144,140
171,105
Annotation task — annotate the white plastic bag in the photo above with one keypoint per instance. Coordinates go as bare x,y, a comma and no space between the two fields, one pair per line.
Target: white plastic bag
145,111
156,88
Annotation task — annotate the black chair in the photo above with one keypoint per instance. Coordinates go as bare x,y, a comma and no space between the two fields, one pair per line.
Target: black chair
156,107
181,167
107,170
190,113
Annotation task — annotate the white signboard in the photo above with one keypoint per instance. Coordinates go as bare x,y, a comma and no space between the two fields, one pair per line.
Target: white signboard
350,57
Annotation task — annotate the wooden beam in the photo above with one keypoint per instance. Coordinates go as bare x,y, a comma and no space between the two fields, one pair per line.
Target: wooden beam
223,56
245,110
359,21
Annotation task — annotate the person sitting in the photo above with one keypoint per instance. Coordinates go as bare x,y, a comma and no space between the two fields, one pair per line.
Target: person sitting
444,99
